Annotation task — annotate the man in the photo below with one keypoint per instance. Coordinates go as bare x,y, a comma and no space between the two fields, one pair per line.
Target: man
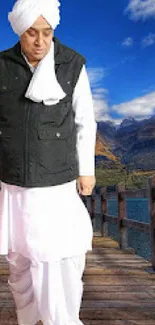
47,136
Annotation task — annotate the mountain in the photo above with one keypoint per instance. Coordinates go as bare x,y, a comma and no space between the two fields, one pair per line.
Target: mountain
108,130
103,149
129,122
133,142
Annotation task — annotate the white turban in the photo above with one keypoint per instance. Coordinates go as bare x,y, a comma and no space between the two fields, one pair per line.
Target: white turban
26,12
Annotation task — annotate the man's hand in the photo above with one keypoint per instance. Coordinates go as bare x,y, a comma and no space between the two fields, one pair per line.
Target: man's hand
85,184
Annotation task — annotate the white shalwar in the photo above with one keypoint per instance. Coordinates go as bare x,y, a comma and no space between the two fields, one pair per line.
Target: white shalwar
45,233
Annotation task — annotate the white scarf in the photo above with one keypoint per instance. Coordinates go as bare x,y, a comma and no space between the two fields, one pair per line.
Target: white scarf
44,85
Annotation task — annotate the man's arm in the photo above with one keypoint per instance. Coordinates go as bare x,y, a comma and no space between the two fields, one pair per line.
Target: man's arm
86,133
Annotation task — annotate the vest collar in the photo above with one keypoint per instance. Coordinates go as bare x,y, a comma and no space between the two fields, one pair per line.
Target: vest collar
60,55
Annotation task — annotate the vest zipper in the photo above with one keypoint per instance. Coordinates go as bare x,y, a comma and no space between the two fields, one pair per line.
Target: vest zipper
27,115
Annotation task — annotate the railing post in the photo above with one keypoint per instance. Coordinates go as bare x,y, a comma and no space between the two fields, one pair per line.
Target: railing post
92,206
104,207
123,231
152,215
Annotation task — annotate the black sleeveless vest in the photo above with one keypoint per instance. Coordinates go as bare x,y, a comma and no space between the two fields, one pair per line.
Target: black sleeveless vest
37,142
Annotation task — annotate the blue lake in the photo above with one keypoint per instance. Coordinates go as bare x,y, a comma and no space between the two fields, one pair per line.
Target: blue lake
137,209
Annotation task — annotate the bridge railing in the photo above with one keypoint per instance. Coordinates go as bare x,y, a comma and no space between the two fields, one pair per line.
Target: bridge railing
121,194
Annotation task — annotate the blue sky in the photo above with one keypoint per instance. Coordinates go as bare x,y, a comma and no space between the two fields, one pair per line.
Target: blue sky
117,37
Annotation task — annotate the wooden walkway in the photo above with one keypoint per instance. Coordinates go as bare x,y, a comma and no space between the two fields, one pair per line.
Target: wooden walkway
118,288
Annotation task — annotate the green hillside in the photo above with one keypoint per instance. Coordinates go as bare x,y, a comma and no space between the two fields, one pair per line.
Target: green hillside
113,176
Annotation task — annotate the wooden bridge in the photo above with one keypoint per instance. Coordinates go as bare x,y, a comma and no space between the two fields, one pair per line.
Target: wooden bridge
119,286
118,289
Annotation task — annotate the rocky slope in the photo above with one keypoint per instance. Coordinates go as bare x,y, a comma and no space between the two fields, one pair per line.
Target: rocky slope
133,142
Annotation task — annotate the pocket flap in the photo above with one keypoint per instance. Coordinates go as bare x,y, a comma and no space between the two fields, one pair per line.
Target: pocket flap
6,133
52,133
8,85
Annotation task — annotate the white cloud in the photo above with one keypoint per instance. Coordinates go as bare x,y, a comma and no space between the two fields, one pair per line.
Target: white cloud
148,40
101,105
99,93
140,107
128,42
96,75
101,110
141,9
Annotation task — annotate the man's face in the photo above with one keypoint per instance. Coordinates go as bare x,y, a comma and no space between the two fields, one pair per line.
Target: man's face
36,41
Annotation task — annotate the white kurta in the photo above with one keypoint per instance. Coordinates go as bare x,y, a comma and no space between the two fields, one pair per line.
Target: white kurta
50,223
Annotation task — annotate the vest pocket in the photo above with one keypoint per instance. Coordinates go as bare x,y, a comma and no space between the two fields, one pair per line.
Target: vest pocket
56,115
53,149
8,94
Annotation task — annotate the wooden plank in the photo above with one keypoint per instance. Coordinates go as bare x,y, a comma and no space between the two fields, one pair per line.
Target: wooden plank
119,322
102,250
117,313
137,322
102,304
3,279
118,288
5,296
107,242
145,281
127,264
3,288
116,257
115,295
108,261
9,304
4,272
120,270
122,266
12,321
8,318
116,280
112,280
152,292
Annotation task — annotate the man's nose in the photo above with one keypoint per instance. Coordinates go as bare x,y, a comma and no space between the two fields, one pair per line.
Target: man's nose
39,40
